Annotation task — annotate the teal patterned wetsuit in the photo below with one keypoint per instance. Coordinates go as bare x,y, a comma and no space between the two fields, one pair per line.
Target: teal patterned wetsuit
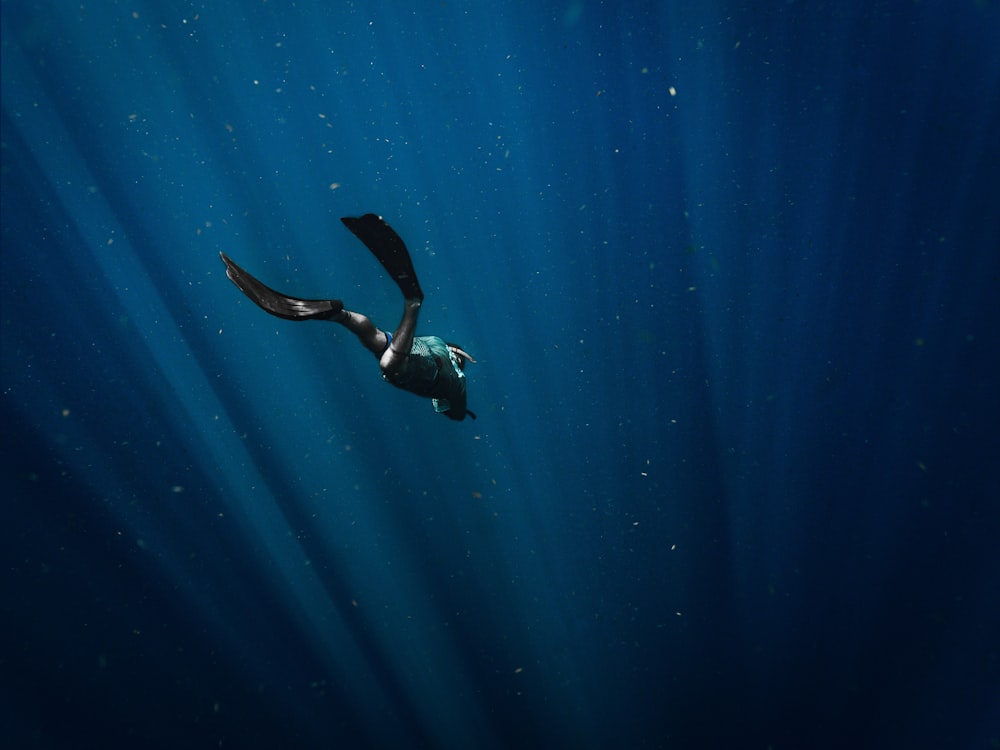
432,371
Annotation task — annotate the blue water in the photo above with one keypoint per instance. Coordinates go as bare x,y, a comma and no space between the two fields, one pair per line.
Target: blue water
732,275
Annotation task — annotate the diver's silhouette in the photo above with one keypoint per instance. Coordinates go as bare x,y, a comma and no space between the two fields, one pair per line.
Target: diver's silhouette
424,365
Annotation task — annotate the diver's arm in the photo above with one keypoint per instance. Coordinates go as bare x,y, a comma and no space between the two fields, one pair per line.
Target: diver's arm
462,353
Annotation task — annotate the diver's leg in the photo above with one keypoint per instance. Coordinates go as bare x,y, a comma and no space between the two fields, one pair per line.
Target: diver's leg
361,326
391,252
398,351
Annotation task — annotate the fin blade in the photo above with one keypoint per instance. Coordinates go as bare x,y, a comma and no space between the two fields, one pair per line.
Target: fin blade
390,250
276,303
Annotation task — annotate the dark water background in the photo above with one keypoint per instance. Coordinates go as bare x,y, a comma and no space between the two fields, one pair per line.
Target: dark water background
732,273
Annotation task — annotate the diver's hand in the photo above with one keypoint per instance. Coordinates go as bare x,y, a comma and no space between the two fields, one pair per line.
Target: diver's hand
462,353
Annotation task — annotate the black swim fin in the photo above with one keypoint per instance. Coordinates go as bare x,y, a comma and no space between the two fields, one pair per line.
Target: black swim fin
388,247
276,303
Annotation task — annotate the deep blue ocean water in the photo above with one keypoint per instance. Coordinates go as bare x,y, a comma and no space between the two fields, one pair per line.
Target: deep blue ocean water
732,275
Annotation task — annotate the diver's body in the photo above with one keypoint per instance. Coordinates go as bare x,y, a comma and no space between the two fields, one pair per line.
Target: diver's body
424,365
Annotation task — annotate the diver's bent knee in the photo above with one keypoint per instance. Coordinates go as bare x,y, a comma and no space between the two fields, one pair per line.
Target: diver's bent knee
392,361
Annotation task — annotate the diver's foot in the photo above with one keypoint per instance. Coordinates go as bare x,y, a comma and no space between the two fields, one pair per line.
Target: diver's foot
320,309
341,316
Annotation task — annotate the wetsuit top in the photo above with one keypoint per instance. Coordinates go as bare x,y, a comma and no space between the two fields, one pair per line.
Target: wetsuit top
432,371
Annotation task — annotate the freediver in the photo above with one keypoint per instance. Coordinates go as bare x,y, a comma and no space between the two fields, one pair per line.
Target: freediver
425,365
